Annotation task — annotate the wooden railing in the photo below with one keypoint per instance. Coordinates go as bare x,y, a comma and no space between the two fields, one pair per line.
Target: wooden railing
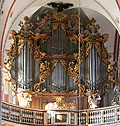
100,116
17,114
88,117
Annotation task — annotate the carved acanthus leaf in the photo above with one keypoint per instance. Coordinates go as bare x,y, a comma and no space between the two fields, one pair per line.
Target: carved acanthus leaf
45,71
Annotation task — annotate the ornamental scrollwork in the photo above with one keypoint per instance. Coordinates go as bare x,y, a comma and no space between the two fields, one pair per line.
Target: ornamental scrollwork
73,71
76,57
12,54
84,47
112,68
82,89
91,36
7,70
31,46
13,87
45,71
75,19
38,55
62,25
40,36
12,51
26,26
88,47
60,16
74,39
60,19
73,68
64,64
105,89
7,75
104,54
60,104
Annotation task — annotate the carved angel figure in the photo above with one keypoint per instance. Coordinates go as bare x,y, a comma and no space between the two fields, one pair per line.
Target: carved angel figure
116,97
24,99
93,100
42,21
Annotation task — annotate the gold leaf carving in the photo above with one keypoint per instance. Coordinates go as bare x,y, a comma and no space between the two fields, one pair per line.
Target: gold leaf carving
88,47
74,39
105,55
64,64
45,72
73,71
12,52
38,55
7,70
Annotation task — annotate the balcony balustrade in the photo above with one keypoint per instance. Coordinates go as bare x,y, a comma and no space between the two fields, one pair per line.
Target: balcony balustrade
89,117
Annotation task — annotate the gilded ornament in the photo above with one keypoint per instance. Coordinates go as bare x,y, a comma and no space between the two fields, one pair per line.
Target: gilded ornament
54,26
37,36
64,64
105,55
26,25
75,19
24,99
116,97
13,34
38,55
20,45
45,72
60,16
12,52
74,39
82,89
43,37
64,27
88,47
59,19
105,89
105,37
112,68
73,71
42,21
93,100
60,104
13,87
7,70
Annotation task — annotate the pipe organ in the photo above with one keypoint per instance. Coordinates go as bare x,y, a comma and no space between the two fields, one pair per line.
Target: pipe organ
47,61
